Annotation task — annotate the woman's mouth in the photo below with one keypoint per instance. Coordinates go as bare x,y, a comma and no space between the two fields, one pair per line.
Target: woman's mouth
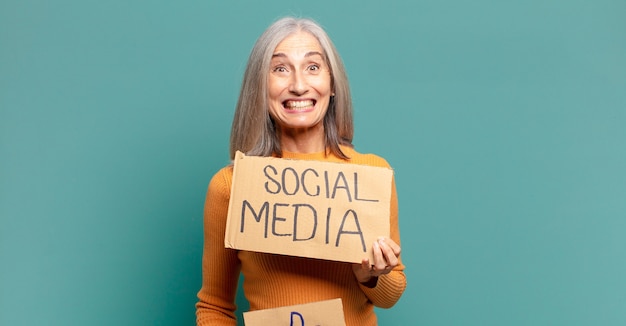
300,105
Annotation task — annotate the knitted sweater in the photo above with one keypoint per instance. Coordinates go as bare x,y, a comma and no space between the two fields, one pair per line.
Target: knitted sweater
272,280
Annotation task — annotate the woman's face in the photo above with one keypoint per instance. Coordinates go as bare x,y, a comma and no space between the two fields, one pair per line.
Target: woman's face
299,83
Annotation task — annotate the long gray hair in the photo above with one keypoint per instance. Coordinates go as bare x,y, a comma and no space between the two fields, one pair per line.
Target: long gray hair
253,131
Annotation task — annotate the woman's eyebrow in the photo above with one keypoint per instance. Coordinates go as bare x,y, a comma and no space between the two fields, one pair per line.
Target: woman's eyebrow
312,53
308,54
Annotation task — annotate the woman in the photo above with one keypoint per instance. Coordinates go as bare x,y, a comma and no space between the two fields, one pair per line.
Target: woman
294,103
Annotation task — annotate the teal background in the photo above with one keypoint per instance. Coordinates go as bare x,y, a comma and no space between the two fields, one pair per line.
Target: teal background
504,121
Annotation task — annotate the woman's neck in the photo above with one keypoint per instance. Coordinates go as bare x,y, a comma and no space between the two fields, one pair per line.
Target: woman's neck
303,141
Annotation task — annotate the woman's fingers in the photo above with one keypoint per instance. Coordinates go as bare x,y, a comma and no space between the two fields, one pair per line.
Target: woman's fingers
379,263
386,253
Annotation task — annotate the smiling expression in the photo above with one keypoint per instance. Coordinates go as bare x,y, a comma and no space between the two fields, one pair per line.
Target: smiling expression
299,84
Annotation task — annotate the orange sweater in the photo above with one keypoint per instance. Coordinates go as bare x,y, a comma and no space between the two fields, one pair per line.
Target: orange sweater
271,280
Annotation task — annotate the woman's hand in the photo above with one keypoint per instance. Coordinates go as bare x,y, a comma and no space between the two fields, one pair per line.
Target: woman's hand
386,253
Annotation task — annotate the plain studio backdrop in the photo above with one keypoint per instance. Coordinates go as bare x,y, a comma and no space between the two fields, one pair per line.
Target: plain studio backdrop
505,122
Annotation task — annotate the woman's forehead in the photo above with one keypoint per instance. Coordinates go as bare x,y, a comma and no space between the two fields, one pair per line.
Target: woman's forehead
300,42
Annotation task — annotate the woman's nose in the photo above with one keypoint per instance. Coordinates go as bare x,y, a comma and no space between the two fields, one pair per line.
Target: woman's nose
298,85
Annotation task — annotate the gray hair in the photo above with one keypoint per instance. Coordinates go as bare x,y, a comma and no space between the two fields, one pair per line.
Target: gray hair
253,130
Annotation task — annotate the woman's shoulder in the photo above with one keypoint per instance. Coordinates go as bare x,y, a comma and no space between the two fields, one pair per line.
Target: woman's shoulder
223,177
365,158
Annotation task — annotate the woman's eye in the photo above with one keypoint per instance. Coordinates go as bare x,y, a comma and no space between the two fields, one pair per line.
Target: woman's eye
314,67
280,69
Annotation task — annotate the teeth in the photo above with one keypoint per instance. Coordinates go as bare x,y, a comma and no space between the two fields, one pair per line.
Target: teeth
298,104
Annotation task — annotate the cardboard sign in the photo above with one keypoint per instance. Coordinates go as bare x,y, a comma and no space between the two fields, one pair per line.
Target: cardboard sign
322,313
310,209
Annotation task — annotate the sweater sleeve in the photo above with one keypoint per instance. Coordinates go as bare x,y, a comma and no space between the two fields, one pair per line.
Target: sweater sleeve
220,265
389,287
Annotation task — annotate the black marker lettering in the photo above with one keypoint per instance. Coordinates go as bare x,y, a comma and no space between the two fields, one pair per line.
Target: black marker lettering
356,190
295,221
344,186
264,208
278,218
341,231
267,186
317,187
295,174
327,224
326,183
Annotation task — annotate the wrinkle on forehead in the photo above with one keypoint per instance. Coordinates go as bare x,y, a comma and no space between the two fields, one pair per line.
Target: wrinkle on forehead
299,42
